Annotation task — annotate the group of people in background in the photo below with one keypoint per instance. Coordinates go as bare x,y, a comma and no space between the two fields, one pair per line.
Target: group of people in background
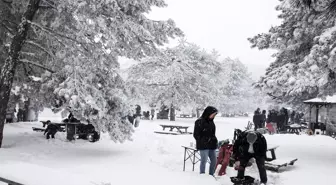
277,119
149,115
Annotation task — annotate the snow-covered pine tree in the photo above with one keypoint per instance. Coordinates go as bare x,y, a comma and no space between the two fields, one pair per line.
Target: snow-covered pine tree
235,86
304,65
182,76
79,36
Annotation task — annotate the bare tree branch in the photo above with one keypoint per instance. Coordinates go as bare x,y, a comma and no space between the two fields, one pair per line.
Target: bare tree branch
36,64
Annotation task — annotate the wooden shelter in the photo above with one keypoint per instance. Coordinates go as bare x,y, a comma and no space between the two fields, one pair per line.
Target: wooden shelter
323,110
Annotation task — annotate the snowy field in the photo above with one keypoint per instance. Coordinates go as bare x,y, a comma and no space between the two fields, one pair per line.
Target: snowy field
151,159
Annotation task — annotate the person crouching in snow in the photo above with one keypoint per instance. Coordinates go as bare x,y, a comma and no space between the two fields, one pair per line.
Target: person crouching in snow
250,144
206,140
51,130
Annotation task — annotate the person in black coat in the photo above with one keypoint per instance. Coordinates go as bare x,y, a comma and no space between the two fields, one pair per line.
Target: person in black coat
257,119
51,130
250,144
263,119
206,140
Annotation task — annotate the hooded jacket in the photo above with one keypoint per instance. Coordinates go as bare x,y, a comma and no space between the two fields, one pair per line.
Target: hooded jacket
205,131
257,118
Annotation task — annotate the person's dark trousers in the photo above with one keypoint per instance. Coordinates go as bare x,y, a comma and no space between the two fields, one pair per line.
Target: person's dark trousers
256,126
52,134
261,167
261,125
152,117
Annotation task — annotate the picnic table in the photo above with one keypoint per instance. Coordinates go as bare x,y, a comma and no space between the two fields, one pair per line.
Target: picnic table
177,127
44,123
272,150
294,129
275,164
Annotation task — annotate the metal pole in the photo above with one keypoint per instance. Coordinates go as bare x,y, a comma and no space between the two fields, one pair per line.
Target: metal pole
317,113
310,122
194,160
184,160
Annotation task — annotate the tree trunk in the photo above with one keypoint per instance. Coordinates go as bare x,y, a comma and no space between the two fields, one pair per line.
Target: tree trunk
26,110
198,112
9,67
36,115
172,113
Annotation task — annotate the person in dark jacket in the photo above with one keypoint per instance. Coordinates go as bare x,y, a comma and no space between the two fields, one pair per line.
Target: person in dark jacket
152,113
292,117
257,119
250,144
263,118
281,120
286,116
51,130
206,140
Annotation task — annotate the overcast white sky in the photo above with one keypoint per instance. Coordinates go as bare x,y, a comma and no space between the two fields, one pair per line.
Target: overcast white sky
225,26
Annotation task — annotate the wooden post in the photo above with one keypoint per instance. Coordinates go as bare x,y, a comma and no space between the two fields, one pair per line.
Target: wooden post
310,108
327,121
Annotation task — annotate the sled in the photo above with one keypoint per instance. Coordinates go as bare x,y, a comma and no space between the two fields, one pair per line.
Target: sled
247,180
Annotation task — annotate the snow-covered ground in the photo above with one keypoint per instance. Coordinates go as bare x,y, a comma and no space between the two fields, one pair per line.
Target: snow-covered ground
151,158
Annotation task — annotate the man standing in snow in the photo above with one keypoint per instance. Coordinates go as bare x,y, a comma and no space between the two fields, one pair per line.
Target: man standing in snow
257,119
152,113
250,144
206,140
263,118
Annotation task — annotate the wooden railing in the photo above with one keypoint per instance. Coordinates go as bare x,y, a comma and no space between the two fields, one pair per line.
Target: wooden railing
9,182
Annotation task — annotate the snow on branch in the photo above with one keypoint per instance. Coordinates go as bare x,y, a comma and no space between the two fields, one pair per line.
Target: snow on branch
39,46
47,4
28,53
57,34
36,64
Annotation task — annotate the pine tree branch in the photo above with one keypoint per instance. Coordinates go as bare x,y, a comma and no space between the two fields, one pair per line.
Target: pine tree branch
36,64
47,4
28,53
48,30
157,84
7,28
39,46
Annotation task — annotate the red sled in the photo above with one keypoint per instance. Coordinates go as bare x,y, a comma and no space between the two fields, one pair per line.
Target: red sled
270,127
224,154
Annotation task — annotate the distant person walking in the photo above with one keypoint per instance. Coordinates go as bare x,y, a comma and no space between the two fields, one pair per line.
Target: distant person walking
257,119
152,113
206,140
263,119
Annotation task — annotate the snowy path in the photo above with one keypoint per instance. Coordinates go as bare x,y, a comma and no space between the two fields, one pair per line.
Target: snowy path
150,158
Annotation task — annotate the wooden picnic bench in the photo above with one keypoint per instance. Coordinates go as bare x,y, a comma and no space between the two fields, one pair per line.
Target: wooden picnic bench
293,129
177,127
60,124
275,164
